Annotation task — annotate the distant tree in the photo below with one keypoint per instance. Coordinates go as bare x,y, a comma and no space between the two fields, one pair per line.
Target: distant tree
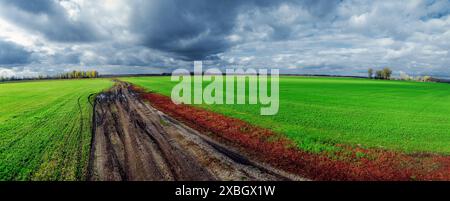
68,75
386,73
379,74
370,73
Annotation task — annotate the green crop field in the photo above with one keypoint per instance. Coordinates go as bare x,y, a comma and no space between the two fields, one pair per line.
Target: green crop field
45,128
318,113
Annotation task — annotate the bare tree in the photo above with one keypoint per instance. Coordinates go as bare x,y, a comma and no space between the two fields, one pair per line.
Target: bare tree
379,74
370,73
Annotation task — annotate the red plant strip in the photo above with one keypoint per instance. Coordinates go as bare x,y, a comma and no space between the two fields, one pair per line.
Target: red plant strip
375,164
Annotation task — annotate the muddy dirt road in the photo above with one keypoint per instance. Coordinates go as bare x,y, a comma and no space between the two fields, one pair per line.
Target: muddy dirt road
134,141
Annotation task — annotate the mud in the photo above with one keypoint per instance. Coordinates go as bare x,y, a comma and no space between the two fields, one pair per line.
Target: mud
134,141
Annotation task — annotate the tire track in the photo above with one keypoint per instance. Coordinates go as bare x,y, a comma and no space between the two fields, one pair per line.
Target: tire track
134,141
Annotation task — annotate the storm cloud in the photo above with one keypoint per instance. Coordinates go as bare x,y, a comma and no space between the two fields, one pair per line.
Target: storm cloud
11,54
49,18
300,36
197,29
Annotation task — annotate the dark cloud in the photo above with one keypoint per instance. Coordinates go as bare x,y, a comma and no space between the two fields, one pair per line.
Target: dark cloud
194,30
33,6
49,18
66,57
189,30
320,8
11,53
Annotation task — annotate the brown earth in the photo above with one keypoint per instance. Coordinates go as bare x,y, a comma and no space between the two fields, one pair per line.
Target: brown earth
134,141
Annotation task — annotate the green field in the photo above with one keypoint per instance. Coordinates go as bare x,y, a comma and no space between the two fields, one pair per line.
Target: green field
45,128
318,113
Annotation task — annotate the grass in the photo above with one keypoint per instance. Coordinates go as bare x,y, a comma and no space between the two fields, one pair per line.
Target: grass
317,113
45,128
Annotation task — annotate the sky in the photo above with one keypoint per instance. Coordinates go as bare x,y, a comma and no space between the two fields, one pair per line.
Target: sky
336,37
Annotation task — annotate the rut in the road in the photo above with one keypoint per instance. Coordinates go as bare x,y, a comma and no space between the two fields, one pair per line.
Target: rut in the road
134,141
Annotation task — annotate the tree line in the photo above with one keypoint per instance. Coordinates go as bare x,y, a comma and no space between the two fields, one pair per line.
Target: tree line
78,74
68,75
384,74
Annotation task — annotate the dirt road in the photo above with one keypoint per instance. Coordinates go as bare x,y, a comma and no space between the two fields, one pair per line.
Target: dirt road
134,141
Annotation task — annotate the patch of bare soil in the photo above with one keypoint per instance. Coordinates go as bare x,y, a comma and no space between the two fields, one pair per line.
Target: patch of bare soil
134,141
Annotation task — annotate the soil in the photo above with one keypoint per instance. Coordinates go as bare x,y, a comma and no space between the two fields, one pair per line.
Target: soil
134,141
